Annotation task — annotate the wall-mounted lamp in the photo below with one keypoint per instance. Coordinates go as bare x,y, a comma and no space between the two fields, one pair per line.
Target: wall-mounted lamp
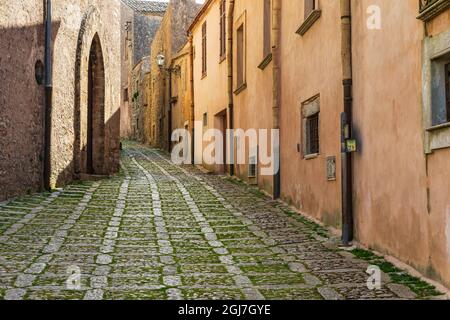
160,60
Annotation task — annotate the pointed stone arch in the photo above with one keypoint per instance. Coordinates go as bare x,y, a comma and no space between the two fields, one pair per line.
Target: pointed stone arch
90,98
95,148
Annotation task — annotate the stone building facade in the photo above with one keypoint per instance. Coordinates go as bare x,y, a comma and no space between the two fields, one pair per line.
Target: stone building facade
298,66
139,22
139,86
170,41
85,105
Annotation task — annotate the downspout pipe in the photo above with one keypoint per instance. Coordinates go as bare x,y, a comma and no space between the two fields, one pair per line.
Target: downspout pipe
230,85
48,83
276,35
347,123
192,115
169,111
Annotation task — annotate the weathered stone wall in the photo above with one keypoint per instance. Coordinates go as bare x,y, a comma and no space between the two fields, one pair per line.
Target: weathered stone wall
145,28
127,59
139,78
181,90
142,28
75,23
169,40
21,98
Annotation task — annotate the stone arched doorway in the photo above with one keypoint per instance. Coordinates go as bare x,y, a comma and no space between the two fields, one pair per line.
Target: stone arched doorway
96,110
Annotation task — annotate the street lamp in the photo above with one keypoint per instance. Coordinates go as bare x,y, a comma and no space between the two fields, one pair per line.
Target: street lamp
160,60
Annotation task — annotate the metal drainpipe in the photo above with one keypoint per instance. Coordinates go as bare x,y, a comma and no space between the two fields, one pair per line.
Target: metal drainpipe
347,123
276,33
48,95
169,112
230,84
192,115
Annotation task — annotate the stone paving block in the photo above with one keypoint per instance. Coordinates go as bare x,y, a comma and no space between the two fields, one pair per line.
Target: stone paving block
160,231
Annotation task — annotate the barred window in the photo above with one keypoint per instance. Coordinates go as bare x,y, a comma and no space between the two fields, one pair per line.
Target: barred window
312,134
447,89
311,127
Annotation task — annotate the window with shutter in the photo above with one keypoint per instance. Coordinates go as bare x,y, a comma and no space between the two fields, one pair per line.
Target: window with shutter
310,6
312,13
240,56
204,50
267,28
223,33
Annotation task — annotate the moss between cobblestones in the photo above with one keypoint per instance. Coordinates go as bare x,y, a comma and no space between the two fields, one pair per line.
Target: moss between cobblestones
196,259
291,294
279,279
209,294
50,294
316,228
192,268
213,280
418,286
265,268
250,251
135,295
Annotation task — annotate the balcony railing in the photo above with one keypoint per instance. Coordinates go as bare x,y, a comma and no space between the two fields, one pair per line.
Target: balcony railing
428,9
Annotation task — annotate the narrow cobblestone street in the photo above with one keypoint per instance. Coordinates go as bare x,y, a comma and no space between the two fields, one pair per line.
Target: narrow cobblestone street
159,231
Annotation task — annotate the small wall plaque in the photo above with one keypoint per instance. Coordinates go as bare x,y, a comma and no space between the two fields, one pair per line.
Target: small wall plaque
331,168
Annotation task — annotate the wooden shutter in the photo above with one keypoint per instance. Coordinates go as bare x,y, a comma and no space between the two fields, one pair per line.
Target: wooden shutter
223,24
309,7
240,55
267,27
204,51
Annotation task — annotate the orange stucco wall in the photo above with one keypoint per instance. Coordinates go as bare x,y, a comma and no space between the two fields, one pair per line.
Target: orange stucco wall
401,202
210,91
311,65
401,195
181,89
253,106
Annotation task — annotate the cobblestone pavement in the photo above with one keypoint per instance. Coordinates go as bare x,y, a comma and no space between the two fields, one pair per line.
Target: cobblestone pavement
159,231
